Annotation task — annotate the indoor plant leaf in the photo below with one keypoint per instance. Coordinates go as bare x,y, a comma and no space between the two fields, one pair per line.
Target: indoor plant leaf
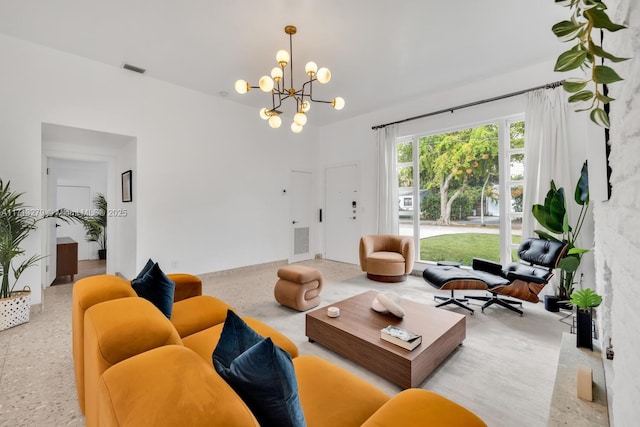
583,95
585,299
573,86
570,60
582,187
600,19
600,117
605,75
599,51
569,263
566,30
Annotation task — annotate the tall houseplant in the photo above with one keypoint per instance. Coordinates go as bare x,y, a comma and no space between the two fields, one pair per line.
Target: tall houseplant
95,225
554,217
17,222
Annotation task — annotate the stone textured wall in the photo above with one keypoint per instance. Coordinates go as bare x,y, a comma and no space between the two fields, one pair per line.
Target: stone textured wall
617,222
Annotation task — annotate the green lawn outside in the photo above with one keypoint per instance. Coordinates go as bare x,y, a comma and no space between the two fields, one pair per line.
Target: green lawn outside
463,247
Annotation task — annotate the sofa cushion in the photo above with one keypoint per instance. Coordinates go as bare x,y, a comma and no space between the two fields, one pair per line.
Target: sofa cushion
156,287
260,372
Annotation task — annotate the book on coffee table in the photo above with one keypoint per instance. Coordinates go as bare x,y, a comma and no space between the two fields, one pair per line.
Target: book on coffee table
401,337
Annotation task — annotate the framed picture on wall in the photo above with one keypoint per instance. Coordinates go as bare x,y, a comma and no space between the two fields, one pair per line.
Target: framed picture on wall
127,194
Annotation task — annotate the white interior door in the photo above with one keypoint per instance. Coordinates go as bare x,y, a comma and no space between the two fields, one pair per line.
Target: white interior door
301,208
342,219
76,199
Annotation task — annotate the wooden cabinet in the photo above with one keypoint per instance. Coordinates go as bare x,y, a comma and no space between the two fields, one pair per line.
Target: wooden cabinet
67,257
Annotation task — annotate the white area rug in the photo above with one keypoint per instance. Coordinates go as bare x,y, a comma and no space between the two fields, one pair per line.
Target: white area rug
504,371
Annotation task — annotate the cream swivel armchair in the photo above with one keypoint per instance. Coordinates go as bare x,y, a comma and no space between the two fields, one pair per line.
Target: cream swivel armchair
387,258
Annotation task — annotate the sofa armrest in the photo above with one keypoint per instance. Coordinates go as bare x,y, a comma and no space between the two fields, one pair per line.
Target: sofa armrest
198,313
408,252
418,407
187,286
366,248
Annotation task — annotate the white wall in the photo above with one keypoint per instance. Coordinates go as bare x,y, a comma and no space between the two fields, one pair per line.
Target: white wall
208,173
617,228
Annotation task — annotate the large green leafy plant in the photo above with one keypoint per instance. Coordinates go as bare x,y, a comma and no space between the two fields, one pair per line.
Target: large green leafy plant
554,217
586,16
17,222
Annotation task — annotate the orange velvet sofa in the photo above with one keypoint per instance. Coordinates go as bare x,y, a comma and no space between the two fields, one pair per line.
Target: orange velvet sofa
139,369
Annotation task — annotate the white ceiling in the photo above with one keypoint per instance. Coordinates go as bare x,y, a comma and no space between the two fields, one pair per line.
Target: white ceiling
379,52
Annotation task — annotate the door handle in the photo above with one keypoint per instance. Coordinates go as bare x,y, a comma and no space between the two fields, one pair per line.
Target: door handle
294,222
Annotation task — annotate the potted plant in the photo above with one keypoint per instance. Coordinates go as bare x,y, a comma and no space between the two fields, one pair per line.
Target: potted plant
585,300
553,216
96,225
16,224
587,55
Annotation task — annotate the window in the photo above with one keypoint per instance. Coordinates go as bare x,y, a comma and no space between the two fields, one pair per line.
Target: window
460,192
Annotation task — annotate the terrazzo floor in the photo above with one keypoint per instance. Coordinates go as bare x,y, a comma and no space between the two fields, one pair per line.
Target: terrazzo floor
37,386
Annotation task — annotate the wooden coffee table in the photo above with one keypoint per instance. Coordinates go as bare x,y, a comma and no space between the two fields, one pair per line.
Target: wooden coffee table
356,336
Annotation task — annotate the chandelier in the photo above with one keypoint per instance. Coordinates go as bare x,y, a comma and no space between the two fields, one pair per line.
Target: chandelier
275,84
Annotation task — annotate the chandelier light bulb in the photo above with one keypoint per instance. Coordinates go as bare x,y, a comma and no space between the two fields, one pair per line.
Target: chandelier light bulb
242,86
275,121
300,118
282,57
266,83
311,68
324,75
338,103
305,106
276,73
264,115
296,128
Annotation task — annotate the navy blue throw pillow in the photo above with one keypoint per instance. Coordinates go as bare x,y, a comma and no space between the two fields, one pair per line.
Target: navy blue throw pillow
156,287
260,372
147,267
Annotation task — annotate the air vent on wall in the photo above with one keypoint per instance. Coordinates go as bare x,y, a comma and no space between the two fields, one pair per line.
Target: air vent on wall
134,68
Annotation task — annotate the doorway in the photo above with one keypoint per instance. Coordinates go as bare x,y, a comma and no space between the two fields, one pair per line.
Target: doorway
75,159
342,217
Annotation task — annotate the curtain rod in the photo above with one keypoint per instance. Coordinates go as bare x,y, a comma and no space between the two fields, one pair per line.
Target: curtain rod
471,104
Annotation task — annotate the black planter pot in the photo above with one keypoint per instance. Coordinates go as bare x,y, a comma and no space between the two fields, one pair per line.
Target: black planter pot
102,253
584,327
551,303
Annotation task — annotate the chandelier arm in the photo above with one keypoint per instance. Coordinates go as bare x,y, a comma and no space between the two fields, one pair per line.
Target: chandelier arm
310,95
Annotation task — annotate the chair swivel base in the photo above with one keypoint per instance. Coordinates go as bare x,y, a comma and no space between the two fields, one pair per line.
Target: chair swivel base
503,302
460,302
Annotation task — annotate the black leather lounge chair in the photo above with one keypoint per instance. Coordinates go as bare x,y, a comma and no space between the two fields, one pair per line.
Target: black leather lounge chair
522,280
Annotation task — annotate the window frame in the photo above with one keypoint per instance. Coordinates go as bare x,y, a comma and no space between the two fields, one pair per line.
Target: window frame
505,182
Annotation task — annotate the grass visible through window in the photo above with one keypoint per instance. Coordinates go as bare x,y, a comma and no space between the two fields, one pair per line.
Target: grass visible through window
463,247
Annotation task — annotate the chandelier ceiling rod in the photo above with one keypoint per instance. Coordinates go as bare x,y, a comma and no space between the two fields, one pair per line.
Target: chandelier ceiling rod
276,85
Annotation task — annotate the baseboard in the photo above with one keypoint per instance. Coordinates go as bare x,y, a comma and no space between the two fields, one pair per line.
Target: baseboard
248,268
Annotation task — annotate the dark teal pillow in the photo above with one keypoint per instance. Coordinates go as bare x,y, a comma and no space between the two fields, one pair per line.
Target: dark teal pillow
147,267
260,372
156,287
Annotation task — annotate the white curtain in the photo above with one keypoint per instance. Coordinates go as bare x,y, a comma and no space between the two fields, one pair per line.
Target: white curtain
387,179
546,151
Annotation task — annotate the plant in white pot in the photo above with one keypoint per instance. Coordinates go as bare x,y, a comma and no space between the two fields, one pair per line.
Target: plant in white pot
17,222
